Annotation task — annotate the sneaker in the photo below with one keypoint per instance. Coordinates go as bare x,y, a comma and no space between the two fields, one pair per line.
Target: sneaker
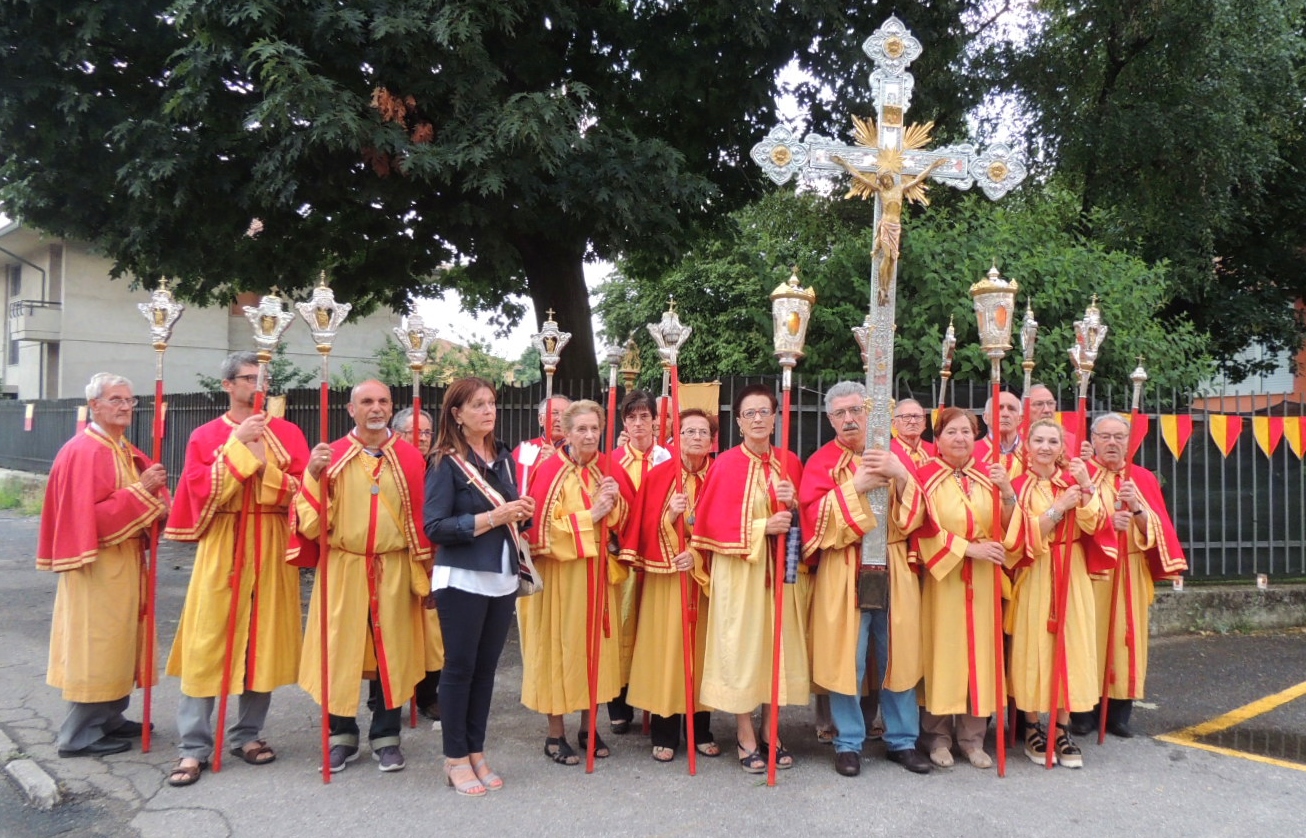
341,756
390,757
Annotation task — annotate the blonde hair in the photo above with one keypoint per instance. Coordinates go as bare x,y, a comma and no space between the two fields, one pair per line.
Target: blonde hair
580,408
1062,458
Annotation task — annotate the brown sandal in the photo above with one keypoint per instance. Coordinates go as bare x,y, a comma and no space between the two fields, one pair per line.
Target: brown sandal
260,754
186,775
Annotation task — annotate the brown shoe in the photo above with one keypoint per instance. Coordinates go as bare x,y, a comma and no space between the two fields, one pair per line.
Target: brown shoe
848,763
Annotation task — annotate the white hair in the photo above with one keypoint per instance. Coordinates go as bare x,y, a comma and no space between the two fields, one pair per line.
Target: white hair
843,390
102,381
1109,417
544,404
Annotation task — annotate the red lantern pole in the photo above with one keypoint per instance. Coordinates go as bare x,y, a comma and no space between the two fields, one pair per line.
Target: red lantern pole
162,312
324,316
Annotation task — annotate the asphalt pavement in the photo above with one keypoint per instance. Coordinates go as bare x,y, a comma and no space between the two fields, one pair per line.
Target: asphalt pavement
1141,786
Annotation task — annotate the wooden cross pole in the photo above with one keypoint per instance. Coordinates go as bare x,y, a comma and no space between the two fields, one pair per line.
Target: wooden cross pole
890,164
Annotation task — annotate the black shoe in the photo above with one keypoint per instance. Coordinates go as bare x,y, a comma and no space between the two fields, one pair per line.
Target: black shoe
911,759
99,748
1082,724
128,730
1117,728
848,763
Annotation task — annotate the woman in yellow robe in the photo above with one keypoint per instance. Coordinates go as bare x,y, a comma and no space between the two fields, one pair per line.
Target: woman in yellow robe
963,569
735,531
653,544
1059,506
573,497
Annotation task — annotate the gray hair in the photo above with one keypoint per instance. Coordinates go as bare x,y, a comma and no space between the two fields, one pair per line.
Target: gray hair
1109,417
102,381
902,402
235,362
988,403
403,420
843,390
544,403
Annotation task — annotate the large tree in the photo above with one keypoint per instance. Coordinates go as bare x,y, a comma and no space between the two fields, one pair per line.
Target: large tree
722,286
1185,118
383,139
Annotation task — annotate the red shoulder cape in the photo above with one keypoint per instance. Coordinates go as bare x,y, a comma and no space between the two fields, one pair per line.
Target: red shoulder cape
818,482
1099,547
642,538
195,503
544,487
83,475
304,552
719,518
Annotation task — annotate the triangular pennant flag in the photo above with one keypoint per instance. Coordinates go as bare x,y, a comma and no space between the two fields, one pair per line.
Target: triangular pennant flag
1138,432
1070,422
1175,430
1225,430
1268,430
934,416
1292,431
81,418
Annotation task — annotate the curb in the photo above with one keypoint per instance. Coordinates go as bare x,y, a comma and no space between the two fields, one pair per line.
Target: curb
39,787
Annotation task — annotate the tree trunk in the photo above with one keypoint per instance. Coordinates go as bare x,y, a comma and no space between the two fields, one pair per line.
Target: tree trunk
556,278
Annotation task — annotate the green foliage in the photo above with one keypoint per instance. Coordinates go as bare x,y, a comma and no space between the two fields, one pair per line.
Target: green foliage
283,374
23,495
527,370
445,362
722,291
1184,120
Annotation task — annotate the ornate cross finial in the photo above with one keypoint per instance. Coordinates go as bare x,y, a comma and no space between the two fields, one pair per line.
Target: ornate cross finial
323,314
548,315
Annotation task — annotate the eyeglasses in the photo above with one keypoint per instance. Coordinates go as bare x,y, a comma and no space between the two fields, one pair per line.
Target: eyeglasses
118,401
1044,403
422,434
757,413
848,411
911,417
248,378
703,432
1111,437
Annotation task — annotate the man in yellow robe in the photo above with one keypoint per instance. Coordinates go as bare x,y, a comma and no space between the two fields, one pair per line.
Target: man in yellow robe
375,576
101,497
637,452
242,471
836,514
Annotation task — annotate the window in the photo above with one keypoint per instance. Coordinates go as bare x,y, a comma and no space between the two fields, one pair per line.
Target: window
13,353
15,280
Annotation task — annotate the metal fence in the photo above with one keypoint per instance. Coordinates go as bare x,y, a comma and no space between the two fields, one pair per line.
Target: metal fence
1237,516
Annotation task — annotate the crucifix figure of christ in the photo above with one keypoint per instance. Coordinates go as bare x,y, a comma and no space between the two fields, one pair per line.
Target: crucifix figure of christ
889,162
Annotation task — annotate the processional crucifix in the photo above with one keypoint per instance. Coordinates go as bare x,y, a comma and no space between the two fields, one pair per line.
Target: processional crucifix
888,162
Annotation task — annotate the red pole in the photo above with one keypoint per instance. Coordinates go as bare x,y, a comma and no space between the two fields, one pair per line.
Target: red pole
999,653
417,436
323,546
1122,558
237,574
778,576
1060,595
152,572
688,592
598,606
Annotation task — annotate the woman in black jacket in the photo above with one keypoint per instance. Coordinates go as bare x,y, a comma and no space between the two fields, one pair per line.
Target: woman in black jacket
473,513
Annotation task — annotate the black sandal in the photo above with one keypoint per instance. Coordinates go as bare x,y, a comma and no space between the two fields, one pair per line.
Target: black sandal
560,752
1068,753
752,762
601,749
783,759
620,726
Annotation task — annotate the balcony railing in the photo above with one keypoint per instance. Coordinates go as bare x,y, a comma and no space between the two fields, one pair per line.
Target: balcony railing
38,320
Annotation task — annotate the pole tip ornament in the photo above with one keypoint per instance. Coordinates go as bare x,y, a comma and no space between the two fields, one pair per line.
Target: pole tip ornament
995,301
630,362
862,334
669,334
323,314
549,342
162,311
1028,335
416,338
791,310
949,349
1089,334
270,321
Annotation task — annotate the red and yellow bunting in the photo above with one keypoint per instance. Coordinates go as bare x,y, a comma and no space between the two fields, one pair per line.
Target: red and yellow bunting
1176,431
1268,431
1138,432
1292,431
1225,430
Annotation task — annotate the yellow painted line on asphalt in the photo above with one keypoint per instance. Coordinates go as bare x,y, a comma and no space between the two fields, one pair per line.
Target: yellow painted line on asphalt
1189,736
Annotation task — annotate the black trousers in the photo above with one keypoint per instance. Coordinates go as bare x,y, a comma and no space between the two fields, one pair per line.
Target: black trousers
666,730
386,722
475,628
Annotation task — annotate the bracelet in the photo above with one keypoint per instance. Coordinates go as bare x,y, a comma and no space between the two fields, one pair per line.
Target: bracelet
1140,511
1055,515
1010,499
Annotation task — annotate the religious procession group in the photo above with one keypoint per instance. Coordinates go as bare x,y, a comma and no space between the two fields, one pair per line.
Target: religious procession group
664,578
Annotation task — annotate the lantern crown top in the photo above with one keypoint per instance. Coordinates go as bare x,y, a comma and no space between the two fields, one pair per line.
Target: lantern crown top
323,314
415,338
549,341
669,333
995,300
162,311
1139,375
270,321
792,288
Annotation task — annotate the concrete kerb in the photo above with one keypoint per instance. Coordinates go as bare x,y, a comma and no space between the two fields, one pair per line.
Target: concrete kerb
1226,609
39,787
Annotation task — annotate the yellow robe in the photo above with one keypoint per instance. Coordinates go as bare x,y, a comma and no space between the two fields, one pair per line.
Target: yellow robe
1032,644
97,634
1133,605
741,623
945,636
399,581
657,675
200,644
552,623
636,464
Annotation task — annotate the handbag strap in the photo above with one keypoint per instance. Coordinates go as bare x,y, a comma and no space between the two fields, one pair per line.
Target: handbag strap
479,483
